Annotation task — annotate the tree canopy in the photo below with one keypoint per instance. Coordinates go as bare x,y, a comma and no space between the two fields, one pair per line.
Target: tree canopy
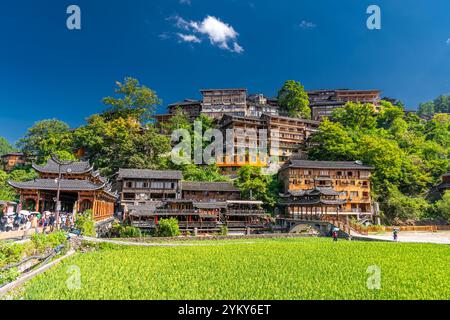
255,185
439,105
409,154
5,146
294,100
131,100
47,137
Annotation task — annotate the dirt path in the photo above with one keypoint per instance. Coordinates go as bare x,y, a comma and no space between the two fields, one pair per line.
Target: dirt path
441,237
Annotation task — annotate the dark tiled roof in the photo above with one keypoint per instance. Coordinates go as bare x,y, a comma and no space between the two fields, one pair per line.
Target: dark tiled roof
209,186
228,89
292,119
50,184
75,167
186,102
210,205
308,164
18,154
317,190
149,174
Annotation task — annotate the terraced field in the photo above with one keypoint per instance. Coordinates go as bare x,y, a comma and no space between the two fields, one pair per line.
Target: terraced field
263,269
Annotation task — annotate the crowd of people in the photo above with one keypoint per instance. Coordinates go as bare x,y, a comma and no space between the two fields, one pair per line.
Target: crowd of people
47,222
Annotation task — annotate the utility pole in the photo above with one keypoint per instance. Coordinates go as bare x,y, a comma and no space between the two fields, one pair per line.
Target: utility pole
58,192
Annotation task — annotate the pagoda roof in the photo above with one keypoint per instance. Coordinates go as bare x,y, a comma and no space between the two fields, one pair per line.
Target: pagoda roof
309,164
209,186
50,184
312,192
149,174
74,167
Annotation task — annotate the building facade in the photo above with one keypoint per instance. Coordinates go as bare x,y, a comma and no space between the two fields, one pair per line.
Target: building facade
219,102
438,192
262,141
147,196
13,160
140,187
81,189
210,191
329,189
324,102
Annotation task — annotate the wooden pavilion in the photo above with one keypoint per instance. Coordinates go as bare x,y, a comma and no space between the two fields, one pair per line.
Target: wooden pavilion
80,187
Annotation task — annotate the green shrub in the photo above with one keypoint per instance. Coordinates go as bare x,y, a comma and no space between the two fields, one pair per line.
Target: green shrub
85,224
122,231
130,232
8,276
12,252
168,228
224,231
43,243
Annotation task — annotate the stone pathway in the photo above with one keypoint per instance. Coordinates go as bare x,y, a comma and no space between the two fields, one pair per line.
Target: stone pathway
441,237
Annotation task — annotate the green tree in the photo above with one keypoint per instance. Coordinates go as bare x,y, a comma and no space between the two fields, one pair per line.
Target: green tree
356,116
399,207
255,185
5,146
122,143
333,142
6,192
131,100
168,228
46,138
426,109
388,114
294,100
443,207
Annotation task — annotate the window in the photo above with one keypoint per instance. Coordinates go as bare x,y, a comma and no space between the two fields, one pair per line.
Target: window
339,173
170,185
324,172
365,194
350,174
157,185
354,194
307,172
129,184
364,174
139,184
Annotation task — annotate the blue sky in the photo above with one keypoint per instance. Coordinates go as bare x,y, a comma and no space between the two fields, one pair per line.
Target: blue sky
47,71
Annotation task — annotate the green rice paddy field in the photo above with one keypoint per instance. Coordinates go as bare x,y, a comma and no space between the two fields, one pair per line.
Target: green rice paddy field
262,269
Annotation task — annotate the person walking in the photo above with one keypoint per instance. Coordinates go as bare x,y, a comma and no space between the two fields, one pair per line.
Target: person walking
35,224
395,234
335,235
51,222
26,228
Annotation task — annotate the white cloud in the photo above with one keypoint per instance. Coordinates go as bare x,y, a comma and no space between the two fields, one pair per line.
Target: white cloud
307,25
220,34
448,41
188,2
164,36
189,38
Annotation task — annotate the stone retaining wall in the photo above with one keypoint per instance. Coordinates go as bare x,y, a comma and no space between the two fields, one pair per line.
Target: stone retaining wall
217,238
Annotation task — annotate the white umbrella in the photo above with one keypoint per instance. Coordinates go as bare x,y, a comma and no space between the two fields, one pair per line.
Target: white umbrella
24,212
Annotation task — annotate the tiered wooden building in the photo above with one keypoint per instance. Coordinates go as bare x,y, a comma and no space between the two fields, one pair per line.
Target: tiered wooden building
326,190
279,137
81,189
147,196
